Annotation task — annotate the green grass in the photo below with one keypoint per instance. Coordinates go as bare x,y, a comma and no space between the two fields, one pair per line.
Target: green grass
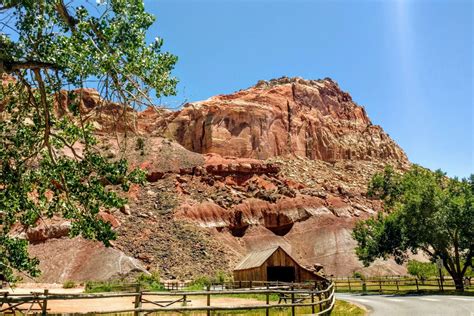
343,308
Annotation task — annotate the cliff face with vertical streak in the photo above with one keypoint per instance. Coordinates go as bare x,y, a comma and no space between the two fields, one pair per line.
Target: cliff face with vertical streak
307,118
285,162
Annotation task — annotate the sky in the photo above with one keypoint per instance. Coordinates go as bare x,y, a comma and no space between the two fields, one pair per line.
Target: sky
409,63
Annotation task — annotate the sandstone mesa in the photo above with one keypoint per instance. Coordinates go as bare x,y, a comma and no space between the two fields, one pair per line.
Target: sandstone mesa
285,162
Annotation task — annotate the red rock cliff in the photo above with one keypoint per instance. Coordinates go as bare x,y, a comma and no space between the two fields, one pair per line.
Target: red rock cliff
308,118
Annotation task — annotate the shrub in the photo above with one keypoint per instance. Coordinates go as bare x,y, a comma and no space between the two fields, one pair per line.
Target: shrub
422,270
199,283
140,145
151,281
93,287
221,277
69,284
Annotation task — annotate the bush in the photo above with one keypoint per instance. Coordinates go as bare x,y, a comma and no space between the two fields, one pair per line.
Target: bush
140,145
199,283
94,287
221,277
422,270
151,281
358,275
69,284
204,281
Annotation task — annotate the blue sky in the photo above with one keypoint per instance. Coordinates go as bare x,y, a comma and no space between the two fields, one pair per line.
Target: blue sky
410,63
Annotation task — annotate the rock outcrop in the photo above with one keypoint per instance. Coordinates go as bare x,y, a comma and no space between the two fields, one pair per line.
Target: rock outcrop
285,162
82,260
307,118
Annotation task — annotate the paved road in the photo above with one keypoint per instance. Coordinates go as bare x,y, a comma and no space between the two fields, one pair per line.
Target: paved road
415,305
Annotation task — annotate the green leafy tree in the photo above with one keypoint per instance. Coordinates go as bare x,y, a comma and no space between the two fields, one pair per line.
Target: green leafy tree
425,211
46,45
422,270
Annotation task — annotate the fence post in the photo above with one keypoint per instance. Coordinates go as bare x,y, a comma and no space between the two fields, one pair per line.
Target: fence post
398,289
267,310
208,300
312,302
292,299
250,285
319,300
440,284
185,298
417,288
349,282
44,308
138,299
380,286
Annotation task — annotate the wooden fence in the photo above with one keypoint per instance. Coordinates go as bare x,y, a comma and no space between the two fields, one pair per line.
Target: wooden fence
393,284
321,301
176,285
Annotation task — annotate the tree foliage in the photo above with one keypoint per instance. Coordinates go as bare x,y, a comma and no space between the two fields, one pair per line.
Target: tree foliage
49,165
425,211
422,270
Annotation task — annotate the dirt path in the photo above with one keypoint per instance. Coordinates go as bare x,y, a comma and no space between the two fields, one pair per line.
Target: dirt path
119,303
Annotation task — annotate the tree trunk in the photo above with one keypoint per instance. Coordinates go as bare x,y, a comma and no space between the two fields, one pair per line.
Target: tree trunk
458,282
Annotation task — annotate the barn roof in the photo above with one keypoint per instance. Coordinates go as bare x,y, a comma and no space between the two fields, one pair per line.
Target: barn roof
255,259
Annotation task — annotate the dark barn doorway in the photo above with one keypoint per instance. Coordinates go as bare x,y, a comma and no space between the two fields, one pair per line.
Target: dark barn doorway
283,274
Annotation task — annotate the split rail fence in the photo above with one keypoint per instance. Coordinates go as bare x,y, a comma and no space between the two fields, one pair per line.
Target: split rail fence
392,284
321,301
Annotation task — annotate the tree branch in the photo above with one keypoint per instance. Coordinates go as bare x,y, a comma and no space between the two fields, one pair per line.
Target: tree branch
64,141
11,5
468,263
11,66
64,13
47,119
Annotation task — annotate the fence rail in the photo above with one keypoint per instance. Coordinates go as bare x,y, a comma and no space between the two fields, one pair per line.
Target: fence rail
320,299
395,284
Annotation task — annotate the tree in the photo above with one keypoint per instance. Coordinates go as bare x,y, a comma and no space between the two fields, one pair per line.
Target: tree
46,45
425,211
422,270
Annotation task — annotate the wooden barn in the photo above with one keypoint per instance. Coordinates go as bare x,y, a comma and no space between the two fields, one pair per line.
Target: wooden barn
273,264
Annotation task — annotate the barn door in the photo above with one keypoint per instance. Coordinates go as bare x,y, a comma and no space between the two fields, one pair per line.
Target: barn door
283,274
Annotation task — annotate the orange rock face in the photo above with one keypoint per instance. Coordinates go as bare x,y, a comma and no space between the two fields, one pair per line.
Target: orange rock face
285,162
307,118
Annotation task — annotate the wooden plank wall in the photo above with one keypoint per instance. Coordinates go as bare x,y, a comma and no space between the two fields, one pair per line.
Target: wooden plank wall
278,259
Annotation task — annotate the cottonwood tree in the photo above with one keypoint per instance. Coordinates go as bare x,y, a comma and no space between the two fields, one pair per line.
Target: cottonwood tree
425,211
46,46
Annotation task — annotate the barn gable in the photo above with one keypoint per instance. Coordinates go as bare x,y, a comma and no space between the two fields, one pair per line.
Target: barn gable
273,264
255,259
